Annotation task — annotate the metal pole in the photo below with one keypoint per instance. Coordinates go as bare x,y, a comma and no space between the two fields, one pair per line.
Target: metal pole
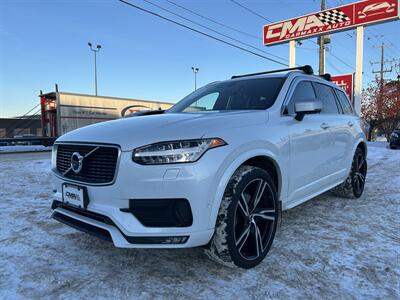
195,71
359,69
380,98
97,49
382,64
322,47
292,54
95,72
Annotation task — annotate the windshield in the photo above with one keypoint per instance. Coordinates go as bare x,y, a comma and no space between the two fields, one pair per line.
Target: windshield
245,94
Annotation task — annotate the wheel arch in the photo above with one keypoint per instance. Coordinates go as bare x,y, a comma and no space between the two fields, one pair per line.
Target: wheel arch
268,164
360,143
363,145
266,160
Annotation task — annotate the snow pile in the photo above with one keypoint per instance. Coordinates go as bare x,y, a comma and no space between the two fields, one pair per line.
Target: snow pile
326,248
24,148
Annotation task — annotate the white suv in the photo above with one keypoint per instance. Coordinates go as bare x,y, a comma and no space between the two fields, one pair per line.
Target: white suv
216,169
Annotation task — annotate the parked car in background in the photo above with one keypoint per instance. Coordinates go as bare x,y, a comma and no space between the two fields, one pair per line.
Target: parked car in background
394,140
216,169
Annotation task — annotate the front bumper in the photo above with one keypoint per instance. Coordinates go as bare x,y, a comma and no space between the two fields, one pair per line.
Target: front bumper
104,228
197,182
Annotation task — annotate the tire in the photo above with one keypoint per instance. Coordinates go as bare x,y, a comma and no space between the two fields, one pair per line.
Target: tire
353,186
244,232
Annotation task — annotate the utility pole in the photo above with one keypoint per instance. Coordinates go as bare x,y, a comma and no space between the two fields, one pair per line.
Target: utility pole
382,63
321,41
95,50
382,72
195,71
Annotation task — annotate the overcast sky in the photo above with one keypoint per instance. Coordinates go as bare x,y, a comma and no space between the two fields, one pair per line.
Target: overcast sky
144,57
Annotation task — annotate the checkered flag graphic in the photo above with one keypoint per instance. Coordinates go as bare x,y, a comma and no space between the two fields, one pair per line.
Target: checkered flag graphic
333,16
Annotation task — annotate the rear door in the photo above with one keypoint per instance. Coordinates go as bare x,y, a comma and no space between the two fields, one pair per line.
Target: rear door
347,134
336,124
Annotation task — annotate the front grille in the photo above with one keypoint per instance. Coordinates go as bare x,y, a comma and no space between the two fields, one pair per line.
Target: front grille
98,167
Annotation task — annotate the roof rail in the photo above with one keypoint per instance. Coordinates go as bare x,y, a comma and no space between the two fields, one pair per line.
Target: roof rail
326,76
306,69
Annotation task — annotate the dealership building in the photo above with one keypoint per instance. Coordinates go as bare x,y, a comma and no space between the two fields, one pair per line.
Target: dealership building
61,112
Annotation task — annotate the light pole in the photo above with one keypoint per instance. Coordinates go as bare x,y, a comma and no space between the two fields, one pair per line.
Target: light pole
95,50
195,71
321,42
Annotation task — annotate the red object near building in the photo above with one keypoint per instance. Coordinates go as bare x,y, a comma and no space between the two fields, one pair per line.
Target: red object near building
334,19
345,81
48,115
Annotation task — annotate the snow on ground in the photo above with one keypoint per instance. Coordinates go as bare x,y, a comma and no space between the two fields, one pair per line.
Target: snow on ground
24,148
327,248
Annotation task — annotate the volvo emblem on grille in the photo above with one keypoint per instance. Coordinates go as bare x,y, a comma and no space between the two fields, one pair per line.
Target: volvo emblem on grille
76,162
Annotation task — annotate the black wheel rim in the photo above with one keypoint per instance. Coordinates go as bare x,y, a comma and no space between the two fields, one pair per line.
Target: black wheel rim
255,218
360,173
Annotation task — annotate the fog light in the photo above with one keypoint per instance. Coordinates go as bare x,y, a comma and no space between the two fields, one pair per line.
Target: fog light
175,240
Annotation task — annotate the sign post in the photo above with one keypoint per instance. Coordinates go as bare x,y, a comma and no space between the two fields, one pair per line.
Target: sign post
292,54
359,69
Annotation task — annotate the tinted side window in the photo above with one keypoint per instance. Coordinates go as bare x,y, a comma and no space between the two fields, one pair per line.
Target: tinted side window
325,94
304,91
346,106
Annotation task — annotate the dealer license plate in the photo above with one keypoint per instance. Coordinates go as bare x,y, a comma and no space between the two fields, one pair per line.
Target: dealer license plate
74,195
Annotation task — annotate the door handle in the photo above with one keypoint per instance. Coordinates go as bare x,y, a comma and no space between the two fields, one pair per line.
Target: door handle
350,123
324,126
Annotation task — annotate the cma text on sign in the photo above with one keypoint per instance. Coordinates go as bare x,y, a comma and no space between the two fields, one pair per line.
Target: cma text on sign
335,19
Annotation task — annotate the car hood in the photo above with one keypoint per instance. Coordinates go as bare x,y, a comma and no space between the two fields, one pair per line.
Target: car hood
133,132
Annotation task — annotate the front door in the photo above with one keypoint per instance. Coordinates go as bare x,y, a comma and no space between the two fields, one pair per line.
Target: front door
310,148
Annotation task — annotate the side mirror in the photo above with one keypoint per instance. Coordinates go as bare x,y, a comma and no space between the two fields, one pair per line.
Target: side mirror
306,108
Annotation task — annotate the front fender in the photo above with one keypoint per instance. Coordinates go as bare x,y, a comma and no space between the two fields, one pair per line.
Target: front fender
230,165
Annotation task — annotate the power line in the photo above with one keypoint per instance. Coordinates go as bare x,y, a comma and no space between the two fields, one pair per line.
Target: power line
382,63
201,32
208,28
214,21
341,60
333,66
251,11
338,58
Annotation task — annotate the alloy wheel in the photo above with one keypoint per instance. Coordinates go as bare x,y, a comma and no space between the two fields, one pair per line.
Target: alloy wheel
360,173
255,216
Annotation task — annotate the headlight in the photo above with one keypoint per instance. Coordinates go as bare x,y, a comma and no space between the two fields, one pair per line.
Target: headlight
394,134
175,151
